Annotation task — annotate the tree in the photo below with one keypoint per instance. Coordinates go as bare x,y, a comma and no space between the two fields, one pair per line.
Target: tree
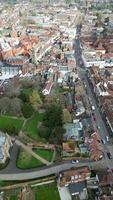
5,104
53,116
44,132
35,100
11,90
10,129
66,116
53,121
24,97
26,82
27,110
56,135
15,106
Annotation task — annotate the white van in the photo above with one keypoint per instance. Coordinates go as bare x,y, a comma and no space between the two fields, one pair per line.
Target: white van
93,107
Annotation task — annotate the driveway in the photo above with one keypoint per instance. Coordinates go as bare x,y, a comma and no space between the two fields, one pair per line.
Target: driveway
64,193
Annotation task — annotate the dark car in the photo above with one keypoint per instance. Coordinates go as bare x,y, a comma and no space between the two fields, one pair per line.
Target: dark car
109,155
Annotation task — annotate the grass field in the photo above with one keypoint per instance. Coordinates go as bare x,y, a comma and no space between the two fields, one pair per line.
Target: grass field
47,154
48,192
26,161
7,120
31,126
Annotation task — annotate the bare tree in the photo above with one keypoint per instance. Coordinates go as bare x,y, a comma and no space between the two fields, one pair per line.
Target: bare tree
15,106
4,105
11,90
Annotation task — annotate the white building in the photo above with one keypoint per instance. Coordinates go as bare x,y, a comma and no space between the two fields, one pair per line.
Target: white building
47,89
5,145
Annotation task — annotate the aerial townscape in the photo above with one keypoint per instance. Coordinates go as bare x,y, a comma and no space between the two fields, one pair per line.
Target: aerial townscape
56,99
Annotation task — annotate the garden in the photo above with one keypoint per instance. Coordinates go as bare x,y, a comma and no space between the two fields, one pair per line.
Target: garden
27,161
44,192
44,153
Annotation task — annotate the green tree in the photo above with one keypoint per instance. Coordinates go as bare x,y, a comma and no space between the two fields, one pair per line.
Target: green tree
44,132
10,129
56,135
27,110
53,116
24,97
35,100
53,120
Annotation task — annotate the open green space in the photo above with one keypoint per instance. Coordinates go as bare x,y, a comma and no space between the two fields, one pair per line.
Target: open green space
31,126
27,161
45,153
44,192
6,121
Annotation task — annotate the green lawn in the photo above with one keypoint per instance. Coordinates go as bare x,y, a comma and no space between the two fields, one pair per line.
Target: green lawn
26,161
7,120
31,125
48,192
47,154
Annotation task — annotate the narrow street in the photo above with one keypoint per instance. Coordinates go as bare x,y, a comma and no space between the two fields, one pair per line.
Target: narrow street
102,130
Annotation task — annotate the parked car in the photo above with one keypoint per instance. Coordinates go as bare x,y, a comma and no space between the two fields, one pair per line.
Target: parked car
93,107
94,118
107,138
109,155
74,161
103,141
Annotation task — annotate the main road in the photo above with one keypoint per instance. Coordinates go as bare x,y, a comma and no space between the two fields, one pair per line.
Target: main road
99,124
45,171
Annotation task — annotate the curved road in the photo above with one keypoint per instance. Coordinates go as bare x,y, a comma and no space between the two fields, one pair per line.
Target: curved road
45,171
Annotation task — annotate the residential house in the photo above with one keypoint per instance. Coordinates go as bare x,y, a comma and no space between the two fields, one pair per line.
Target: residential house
75,180
47,89
74,131
94,146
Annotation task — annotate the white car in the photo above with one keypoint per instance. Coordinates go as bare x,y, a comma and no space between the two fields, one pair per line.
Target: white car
107,138
74,161
93,107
